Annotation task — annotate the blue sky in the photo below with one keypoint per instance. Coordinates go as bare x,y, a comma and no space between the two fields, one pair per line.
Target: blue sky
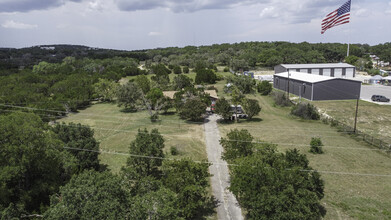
134,24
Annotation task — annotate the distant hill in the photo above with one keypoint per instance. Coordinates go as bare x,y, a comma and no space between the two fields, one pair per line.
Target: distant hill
29,56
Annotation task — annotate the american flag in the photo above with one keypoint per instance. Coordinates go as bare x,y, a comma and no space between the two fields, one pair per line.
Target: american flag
337,17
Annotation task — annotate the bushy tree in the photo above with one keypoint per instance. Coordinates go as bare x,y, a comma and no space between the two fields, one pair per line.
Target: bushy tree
271,185
147,144
190,181
33,163
237,144
305,111
128,95
91,195
181,82
193,109
105,89
251,107
186,69
160,204
223,108
155,101
80,142
316,145
351,60
177,70
161,77
264,87
205,76
143,83
244,83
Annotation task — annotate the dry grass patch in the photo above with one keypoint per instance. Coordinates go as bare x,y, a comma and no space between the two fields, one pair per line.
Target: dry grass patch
347,196
115,130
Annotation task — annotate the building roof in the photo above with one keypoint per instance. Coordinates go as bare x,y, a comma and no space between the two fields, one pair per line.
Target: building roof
377,77
317,65
170,94
212,93
306,77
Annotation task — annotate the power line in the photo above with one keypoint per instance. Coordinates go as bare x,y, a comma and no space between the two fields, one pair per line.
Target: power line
135,132
224,163
230,140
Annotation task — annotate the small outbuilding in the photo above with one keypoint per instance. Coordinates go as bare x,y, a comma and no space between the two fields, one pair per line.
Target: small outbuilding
375,79
317,87
339,70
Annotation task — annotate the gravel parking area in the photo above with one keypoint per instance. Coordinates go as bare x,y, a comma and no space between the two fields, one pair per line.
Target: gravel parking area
368,90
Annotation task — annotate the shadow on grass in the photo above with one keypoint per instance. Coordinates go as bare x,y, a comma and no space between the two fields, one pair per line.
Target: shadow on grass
128,110
228,122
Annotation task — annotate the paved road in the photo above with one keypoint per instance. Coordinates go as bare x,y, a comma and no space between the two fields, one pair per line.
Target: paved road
368,90
228,206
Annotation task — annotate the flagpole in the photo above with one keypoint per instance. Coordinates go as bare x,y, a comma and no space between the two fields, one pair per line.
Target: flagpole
349,29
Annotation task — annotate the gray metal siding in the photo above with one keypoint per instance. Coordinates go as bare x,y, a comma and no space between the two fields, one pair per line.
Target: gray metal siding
279,69
337,89
295,86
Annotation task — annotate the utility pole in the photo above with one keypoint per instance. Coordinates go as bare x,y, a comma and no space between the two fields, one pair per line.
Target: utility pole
355,118
288,83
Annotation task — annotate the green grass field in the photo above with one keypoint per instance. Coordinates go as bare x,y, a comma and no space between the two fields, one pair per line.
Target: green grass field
373,119
346,196
115,130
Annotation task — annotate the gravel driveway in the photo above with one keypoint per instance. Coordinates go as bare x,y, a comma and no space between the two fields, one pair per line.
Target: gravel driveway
228,206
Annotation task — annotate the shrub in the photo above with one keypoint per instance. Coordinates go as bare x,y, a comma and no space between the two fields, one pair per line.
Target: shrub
264,88
226,69
174,151
177,70
212,88
223,108
316,146
281,99
186,69
251,107
305,111
193,109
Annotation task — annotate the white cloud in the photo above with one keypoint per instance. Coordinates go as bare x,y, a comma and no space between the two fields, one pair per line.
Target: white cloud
389,8
362,12
154,33
17,25
269,12
183,5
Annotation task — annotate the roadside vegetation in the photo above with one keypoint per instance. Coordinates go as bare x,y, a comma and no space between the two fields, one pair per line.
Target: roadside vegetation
345,196
91,133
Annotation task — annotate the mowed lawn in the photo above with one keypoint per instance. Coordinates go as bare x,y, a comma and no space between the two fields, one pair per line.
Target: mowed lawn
115,130
373,119
348,194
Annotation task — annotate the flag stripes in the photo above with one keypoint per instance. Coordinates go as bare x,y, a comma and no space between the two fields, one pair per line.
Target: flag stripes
337,17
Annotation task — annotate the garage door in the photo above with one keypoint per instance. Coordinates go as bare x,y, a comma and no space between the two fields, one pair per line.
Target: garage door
338,72
349,72
304,70
315,71
326,72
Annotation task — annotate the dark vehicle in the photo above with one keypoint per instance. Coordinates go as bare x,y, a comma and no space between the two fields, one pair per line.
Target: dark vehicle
380,98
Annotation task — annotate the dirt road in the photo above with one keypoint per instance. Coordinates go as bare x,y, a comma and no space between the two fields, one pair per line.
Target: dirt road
228,206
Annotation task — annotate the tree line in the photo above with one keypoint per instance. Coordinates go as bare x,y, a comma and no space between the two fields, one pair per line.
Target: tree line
54,172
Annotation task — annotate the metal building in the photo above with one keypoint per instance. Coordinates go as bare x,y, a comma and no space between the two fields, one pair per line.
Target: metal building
339,70
316,87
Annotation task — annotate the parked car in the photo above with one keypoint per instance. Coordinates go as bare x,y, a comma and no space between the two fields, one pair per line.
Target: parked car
380,98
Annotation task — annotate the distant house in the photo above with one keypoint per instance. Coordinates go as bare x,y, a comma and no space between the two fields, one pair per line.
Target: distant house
375,79
338,70
317,87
